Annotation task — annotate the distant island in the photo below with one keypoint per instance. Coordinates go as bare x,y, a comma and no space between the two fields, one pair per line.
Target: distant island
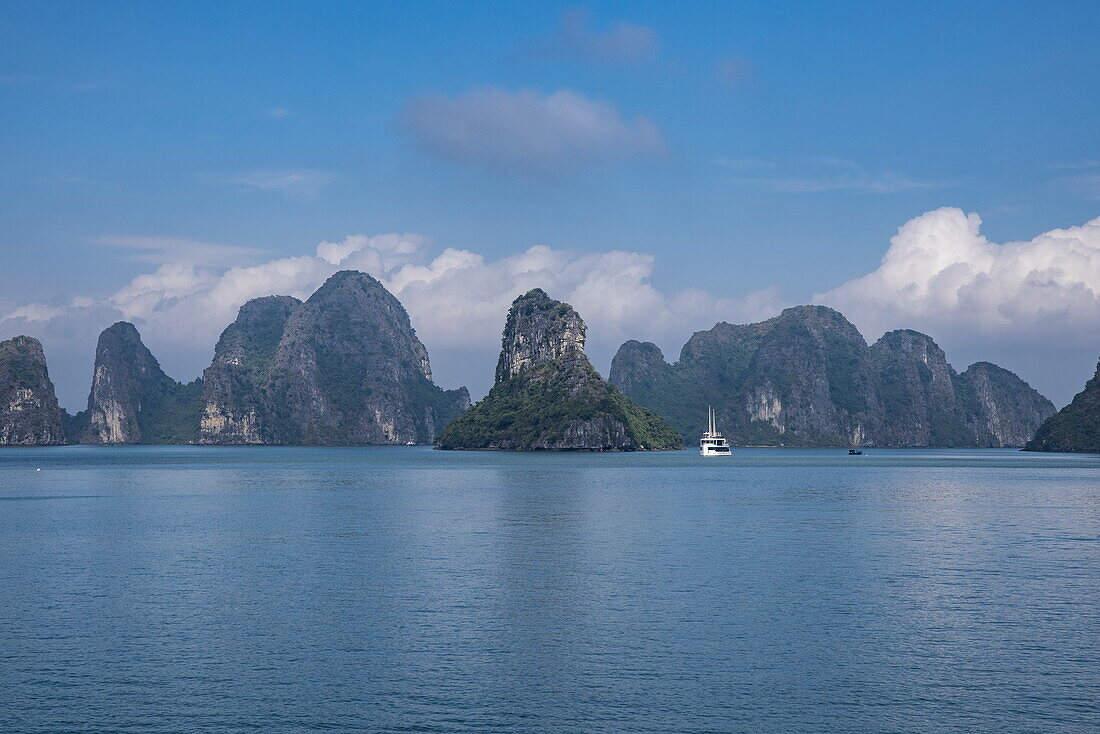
808,378
345,367
548,397
29,413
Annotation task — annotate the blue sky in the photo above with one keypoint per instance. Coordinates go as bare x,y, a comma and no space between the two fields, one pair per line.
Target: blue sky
746,147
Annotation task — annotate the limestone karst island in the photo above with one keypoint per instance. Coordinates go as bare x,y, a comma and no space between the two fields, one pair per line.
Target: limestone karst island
556,367
345,367
548,397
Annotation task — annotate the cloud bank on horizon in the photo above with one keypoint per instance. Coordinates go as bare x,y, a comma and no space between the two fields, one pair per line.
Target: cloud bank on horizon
939,275
942,273
457,300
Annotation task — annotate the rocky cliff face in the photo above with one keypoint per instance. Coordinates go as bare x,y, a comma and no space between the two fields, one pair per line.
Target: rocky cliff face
235,407
29,413
1075,427
349,369
803,378
640,368
547,396
132,400
918,390
539,330
1001,409
343,368
808,378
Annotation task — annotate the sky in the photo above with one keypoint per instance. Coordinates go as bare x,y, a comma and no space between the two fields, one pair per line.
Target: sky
661,166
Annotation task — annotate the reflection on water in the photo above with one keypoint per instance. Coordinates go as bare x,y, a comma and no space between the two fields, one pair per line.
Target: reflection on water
186,589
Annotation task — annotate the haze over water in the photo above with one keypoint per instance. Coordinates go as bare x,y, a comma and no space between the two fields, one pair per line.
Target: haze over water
165,589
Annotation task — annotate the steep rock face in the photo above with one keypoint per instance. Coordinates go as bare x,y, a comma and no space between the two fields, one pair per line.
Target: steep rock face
640,366
811,380
29,413
918,389
132,400
235,408
548,397
640,371
1001,409
802,378
807,378
1075,427
537,332
350,370
343,368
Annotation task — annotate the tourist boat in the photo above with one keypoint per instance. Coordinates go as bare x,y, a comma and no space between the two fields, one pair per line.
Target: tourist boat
713,443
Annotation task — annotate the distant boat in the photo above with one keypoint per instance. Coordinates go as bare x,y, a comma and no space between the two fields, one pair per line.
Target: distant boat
854,452
713,443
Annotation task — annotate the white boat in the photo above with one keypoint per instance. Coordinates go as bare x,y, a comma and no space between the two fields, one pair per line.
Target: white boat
713,443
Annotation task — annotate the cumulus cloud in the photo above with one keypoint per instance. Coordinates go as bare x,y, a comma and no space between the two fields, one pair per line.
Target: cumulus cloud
34,312
941,275
622,43
1031,306
457,300
528,132
940,266
296,183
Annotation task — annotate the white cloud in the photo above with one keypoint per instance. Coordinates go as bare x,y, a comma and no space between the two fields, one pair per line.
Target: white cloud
384,251
528,132
457,300
1037,300
622,43
1032,306
34,312
178,250
940,266
296,183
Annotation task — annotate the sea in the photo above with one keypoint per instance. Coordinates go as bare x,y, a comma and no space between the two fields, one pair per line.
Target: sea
401,589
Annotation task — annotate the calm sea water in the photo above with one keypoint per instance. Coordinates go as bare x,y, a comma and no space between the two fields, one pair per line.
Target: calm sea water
176,589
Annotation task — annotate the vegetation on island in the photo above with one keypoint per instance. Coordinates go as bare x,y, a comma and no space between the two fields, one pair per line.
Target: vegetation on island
808,378
1076,427
538,411
548,397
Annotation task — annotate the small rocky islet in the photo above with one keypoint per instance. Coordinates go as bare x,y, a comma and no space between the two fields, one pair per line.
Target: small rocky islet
345,367
547,396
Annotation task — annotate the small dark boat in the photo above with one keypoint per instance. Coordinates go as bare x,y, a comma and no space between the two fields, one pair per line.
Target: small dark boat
854,452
